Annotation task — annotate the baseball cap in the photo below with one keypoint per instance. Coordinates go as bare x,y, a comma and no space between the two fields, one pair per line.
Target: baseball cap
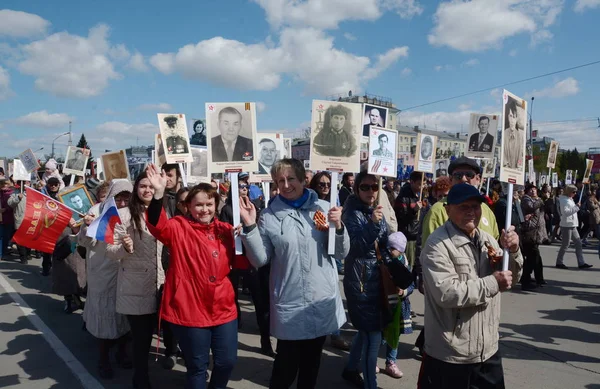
243,175
462,192
464,161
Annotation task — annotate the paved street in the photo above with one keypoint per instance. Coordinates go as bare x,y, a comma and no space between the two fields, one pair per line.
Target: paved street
549,339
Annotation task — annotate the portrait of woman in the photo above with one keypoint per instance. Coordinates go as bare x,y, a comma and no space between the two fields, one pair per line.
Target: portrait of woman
513,136
198,135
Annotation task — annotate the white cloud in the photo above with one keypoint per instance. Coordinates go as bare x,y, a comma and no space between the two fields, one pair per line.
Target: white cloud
119,53
19,24
160,107
137,62
485,24
70,65
349,36
464,106
541,37
471,62
439,68
119,135
5,91
582,5
496,93
513,52
567,87
44,119
406,72
260,106
328,14
306,54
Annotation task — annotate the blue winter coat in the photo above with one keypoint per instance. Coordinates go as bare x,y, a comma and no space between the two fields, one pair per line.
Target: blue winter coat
362,284
304,284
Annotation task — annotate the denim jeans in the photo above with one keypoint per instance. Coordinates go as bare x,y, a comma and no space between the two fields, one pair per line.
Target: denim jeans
196,343
390,354
363,354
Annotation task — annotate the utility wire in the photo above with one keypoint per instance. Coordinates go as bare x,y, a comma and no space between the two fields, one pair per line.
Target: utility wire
502,85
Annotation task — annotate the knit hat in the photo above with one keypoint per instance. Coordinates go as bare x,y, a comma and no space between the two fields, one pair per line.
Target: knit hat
51,164
119,185
397,241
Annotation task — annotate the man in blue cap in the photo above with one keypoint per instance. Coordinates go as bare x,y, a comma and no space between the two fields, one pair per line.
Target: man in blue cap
461,267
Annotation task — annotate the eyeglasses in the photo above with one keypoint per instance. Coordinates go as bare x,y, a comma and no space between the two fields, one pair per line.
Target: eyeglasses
243,186
366,188
324,185
459,175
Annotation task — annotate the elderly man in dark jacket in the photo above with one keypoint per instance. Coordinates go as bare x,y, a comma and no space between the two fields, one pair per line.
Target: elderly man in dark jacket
407,208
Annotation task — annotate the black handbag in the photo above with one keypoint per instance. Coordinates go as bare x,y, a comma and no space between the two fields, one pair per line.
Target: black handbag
62,249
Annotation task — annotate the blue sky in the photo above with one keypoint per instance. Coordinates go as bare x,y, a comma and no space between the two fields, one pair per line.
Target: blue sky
110,66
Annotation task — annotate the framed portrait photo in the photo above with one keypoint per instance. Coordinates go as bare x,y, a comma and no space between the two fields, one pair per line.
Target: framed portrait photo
231,137
373,115
425,153
197,133
76,161
441,168
174,136
78,199
271,149
383,147
336,134
552,154
589,164
197,171
512,154
115,165
482,135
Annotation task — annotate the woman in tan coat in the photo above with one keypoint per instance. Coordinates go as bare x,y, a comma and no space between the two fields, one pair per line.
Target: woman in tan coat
140,275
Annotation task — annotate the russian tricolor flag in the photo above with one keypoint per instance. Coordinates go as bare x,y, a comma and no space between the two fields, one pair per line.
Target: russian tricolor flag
103,227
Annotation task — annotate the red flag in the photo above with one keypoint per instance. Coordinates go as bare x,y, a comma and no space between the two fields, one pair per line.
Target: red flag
44,221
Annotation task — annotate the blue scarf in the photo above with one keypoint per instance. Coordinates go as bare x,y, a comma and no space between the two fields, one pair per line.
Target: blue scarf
298,202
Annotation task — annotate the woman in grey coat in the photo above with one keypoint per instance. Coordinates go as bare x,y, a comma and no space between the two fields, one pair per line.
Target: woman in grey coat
306,305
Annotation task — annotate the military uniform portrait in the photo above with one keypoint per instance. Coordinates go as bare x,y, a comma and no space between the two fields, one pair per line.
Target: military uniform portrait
441,168
512,154
382,152
174,135
482,138
335,136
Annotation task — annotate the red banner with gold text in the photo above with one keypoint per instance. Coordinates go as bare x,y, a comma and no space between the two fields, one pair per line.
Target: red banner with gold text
43,223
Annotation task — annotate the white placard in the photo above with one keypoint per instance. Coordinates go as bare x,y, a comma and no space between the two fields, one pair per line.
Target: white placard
382,152
29,161
425,153
512,153
552,155
20,173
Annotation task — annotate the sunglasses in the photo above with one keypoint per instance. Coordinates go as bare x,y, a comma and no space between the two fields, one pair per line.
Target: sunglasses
366,188
243,186
324,185
459,175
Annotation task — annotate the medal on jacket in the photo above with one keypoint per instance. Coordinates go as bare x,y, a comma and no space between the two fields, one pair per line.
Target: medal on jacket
320,221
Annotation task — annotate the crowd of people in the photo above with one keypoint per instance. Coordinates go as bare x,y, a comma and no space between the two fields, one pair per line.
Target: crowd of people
173,269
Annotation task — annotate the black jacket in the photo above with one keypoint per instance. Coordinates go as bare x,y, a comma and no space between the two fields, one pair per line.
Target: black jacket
500,213
406,212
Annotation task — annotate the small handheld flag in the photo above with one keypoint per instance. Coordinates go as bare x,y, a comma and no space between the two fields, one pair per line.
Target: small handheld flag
103,227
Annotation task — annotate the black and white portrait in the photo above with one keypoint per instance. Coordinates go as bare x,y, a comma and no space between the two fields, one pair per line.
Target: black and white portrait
382,150
197,132
232,132
173,130
29,160
512,162
441,168
374,115
335,136
426,150
76,161
425,153
197,171
482,130
78,199
552,153
135,169
270,149
569,177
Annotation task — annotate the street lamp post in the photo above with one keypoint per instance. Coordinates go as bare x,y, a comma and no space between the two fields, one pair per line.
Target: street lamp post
531,126
52,154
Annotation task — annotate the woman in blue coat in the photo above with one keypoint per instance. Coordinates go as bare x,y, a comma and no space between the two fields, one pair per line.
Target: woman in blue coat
362,286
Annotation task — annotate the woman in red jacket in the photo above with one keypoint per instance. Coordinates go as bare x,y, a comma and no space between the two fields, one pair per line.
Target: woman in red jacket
198,298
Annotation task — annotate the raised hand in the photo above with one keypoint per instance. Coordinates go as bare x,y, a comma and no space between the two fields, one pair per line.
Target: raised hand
247,211
128,244
158,179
